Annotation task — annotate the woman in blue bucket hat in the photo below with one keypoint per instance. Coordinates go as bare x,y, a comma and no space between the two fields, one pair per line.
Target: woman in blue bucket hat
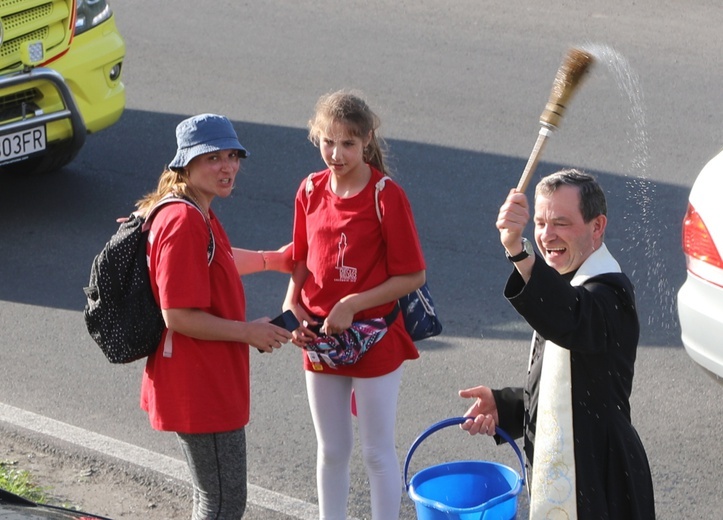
196,384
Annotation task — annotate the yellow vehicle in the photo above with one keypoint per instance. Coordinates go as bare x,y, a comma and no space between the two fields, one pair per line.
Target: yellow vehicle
60,79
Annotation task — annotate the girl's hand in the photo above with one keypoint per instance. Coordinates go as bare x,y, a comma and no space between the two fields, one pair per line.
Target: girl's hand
340,318
302,335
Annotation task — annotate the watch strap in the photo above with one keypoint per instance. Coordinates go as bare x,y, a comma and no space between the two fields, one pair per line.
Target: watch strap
526,246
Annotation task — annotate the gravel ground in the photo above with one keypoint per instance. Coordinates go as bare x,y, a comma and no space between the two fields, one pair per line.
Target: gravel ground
105,486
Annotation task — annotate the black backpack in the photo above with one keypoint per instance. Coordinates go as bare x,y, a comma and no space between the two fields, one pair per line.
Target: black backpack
121,314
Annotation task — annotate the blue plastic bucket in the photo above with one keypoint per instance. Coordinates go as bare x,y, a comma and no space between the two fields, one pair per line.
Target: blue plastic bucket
464,490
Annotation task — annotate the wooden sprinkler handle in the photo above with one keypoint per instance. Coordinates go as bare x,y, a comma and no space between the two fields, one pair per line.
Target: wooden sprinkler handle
531,165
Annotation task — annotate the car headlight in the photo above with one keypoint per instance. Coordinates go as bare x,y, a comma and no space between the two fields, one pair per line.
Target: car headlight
90,13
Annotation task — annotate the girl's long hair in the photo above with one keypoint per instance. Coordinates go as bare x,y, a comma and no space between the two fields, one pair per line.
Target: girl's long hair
350,109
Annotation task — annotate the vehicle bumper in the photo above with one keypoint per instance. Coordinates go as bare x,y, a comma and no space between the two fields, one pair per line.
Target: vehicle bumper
700,311
17,134
64,99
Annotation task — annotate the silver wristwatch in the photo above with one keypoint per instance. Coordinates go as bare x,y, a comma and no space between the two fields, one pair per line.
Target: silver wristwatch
526,251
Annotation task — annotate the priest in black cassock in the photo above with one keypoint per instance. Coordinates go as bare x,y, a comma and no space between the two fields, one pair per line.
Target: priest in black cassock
584,457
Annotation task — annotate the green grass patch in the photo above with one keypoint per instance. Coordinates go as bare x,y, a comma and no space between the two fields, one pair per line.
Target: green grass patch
20,482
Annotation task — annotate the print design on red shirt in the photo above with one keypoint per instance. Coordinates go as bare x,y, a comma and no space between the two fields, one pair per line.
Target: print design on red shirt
346,273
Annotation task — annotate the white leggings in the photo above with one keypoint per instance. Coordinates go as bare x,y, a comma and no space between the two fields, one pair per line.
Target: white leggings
376,403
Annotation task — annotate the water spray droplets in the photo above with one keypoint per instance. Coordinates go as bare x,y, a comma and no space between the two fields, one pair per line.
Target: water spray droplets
640,214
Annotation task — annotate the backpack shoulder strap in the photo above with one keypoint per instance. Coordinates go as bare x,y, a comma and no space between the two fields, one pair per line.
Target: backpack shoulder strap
308,189
379,186
171,199
309,185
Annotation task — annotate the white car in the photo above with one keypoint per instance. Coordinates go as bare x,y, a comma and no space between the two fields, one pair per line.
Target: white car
700,299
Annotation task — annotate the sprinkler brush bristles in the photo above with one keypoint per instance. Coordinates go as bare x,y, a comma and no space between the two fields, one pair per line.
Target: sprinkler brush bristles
568,77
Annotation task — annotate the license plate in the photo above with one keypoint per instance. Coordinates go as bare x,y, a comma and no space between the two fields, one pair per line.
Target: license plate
21,144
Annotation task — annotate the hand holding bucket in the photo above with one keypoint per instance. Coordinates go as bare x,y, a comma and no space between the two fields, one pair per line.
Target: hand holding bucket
469,490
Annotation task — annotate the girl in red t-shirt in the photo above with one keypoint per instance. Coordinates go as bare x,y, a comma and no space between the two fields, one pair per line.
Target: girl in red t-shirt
352,265
197,382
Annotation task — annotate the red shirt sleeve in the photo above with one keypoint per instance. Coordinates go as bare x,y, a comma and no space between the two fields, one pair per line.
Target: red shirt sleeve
178,252
404,252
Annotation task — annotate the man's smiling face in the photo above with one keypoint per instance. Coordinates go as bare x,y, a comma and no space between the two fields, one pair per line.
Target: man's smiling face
564,239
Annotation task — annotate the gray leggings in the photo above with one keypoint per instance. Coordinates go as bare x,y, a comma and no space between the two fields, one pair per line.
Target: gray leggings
218,468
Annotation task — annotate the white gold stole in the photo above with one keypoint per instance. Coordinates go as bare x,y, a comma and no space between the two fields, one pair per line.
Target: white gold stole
553,493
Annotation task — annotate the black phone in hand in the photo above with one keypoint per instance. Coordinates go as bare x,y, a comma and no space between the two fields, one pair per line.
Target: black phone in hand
286,320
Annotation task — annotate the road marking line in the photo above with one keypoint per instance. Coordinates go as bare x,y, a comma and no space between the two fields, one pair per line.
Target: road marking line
163,464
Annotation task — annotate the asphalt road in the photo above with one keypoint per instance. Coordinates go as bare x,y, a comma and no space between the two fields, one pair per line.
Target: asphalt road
459,87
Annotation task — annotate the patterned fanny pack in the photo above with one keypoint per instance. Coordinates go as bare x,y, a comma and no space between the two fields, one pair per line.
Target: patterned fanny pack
349,346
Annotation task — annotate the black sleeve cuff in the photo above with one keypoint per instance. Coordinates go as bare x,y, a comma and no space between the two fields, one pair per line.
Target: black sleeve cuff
510,411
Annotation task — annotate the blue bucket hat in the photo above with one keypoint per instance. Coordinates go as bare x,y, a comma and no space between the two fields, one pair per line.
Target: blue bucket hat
203,134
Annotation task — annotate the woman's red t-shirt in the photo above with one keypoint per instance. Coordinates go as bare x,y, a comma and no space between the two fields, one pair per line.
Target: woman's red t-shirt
191,385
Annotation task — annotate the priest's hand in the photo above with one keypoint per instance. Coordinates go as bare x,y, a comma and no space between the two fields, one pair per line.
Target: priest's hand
511,221
483,413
